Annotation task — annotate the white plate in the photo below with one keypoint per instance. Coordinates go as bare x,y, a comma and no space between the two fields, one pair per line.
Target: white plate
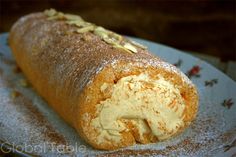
28,123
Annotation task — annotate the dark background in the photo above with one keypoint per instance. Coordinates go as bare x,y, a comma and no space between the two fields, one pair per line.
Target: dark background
203,26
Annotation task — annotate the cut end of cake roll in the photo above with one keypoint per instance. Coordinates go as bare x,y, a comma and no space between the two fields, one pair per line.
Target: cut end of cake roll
137,106
152,106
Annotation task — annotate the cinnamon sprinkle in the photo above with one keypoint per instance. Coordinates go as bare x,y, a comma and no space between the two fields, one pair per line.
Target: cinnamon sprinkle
16,69
36,118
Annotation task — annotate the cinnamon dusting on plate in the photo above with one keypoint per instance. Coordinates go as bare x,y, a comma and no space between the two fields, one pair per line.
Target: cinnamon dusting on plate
35,118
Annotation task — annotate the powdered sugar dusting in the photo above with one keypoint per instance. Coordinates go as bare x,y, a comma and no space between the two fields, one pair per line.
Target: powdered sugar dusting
57,46
212,130
206,136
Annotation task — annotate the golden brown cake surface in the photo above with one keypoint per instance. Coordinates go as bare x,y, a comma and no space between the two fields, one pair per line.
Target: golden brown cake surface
114,95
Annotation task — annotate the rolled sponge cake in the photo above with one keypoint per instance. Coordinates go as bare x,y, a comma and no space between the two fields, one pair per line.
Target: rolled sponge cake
110,89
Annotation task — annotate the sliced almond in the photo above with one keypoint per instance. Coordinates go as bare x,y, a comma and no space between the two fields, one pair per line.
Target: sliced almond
130,47
85,29
121,47
84,24
58,16
106,35
108,40
72,22
116,36
52,18
100,31
72,17
138,44
50,12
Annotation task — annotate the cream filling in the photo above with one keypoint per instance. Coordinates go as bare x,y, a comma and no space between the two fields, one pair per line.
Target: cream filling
152,105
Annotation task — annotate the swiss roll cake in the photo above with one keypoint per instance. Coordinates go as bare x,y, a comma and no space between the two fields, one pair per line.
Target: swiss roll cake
112,90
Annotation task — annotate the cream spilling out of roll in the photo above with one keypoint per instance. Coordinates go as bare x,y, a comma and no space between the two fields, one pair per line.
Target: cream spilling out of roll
110,89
